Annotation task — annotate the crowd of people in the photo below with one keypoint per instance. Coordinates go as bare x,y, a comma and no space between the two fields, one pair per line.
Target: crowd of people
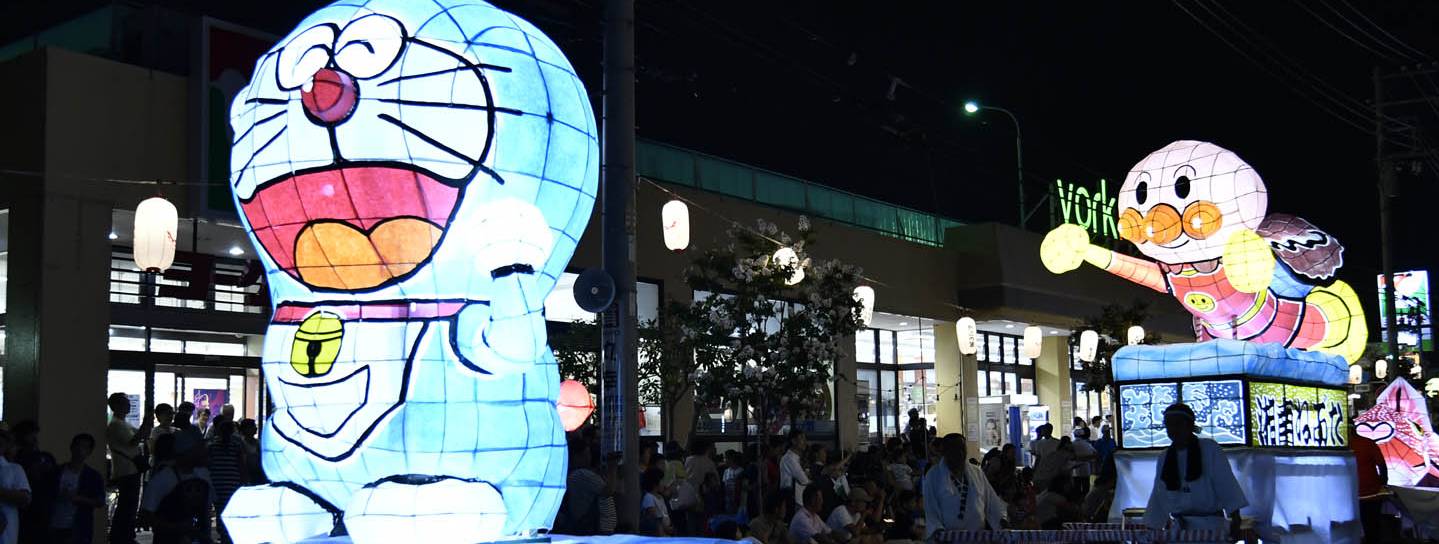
791,491
170,476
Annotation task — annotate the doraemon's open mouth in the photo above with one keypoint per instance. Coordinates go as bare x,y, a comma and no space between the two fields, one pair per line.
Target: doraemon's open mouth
357,227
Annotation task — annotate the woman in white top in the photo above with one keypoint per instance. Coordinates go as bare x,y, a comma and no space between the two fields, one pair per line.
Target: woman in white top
1194,486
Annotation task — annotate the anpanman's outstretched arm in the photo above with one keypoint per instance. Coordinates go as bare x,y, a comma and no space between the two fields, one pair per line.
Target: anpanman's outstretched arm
1067,246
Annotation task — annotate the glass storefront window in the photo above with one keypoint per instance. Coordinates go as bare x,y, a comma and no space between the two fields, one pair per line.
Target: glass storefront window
132,384
865,381
560,305
1026,385
886,412
886,347
864,346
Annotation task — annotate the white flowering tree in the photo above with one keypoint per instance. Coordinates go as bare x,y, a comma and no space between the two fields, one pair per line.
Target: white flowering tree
768,338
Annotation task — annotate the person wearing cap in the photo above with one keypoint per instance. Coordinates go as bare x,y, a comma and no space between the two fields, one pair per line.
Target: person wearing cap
1194,487
846,522
957,497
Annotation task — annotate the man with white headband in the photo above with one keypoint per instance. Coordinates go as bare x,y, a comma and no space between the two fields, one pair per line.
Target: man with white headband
1194,487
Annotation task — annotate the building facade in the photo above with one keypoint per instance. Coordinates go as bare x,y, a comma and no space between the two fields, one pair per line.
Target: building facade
89,137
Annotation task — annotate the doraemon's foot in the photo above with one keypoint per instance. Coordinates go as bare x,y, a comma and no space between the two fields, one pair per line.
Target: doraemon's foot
425,509
278,513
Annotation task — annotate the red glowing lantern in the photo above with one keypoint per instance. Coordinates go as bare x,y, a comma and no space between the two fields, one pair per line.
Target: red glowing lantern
575,404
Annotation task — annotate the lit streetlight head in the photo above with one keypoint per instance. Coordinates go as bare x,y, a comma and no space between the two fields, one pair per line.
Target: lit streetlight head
971,107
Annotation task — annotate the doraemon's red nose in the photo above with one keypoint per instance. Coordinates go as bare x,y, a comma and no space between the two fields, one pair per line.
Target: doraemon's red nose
331,97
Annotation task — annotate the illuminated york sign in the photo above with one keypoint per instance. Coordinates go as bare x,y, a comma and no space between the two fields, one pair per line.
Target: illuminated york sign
1298,415
1092,211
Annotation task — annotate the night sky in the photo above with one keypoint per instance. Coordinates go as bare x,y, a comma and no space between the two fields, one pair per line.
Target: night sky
804,88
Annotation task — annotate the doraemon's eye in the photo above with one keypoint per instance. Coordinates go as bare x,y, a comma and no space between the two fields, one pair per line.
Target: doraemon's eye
1181,187
1141,192
303,56
369,45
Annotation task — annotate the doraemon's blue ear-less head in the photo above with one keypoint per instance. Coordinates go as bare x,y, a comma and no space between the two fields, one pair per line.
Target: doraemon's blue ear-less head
379,149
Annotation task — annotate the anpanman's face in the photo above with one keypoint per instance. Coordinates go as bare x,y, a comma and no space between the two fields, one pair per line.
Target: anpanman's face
1181,203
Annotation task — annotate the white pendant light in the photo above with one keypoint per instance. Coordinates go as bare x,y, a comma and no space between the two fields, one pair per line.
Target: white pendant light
1033,342
1356,374
1381,369
675,216
786,257
865,295
1088,346
156,222
1136,335
968,332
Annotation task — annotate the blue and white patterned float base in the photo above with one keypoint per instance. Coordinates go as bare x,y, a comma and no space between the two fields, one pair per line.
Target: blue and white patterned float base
563,539
1228,358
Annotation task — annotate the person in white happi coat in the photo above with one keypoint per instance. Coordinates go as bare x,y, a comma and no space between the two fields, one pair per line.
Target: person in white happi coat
957,496
1194,487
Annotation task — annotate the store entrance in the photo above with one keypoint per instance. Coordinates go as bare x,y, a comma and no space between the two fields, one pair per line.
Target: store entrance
209,386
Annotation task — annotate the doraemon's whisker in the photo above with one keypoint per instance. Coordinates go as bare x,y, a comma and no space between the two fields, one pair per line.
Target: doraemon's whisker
256,153
263,100
427,104
267,119
427,138
494,67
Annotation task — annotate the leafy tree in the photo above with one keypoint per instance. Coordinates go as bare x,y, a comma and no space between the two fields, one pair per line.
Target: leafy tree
1112,324
760,342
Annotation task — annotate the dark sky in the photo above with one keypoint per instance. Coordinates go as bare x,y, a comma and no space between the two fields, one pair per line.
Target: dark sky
803,87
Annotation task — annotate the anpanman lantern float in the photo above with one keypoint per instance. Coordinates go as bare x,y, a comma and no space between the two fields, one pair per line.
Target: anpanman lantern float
415,176
1198,213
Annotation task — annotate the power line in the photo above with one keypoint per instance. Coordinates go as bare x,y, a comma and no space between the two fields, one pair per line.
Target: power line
1376,26
1305,6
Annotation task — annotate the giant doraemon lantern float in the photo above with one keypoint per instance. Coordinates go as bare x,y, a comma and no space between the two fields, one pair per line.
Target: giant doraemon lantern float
416,175
1275,333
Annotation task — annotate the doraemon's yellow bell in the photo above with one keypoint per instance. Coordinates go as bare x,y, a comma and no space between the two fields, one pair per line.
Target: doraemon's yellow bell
317,344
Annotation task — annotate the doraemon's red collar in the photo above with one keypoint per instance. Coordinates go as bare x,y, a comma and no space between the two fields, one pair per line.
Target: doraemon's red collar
388,310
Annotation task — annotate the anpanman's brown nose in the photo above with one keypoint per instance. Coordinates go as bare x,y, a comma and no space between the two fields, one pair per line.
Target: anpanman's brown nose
331,97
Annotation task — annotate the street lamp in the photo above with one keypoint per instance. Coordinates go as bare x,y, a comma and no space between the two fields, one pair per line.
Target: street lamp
971,107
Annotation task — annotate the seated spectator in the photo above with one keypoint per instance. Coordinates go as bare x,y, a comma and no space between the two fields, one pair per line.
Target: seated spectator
808,526
908,519
654,514
847,522
1101,496
900,472
769,527
1053,508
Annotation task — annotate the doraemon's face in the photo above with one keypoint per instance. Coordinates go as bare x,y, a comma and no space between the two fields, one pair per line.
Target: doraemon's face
1181,203
370,137
388,156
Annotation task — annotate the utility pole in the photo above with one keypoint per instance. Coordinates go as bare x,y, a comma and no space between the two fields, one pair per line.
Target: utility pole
620,351
1386,190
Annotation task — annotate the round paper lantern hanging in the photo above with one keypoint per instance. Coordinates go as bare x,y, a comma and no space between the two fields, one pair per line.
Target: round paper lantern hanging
675,217
865,295
1033,342
1356,374
1381,369
786,257
1088,346
968,332
156,223
575,404
1136,335
1431,387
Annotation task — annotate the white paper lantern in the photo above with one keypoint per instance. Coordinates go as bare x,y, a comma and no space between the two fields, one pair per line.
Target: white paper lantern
1356,374
1088,346
968,332
788,258
1431,387
865,295
1381,369
156,223
1033,342
675,216
1416,371
1136,335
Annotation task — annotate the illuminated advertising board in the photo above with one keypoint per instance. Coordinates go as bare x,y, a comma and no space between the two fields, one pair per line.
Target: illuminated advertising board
1411,309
